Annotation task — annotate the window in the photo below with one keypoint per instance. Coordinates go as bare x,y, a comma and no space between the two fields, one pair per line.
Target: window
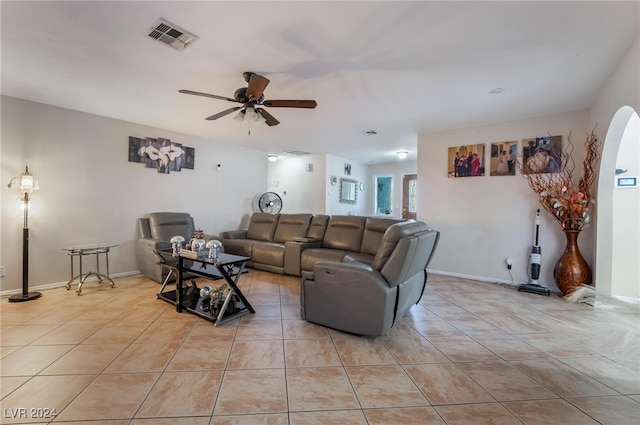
384,195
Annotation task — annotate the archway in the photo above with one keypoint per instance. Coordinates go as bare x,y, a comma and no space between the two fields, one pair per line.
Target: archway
617,270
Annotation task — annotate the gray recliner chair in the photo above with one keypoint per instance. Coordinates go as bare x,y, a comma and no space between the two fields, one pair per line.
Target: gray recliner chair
367,300
156,232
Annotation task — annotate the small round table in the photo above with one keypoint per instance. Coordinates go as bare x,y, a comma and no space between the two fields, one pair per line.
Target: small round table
89,249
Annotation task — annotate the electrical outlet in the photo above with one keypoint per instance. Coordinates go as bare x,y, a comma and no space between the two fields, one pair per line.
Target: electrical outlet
1,271
509,262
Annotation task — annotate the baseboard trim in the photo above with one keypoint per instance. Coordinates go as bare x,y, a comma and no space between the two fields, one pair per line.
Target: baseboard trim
503,282
62,284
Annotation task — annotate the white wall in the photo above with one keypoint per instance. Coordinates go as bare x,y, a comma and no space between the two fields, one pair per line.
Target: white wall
90,193
336,167
625,280
397,170
300,182
305,191
484,220
617,101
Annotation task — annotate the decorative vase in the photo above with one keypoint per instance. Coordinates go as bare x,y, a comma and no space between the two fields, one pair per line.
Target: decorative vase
571,270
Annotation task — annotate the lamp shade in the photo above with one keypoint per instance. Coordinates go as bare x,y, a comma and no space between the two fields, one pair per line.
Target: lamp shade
25,182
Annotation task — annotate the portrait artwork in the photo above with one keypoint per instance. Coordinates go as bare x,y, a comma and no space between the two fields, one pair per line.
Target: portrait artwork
466,161
542,155
503,158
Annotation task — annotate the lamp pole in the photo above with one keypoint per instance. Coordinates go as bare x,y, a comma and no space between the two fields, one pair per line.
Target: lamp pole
26,295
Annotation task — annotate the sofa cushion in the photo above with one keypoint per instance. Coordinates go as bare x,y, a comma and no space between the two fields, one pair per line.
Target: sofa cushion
344,232
268,253
238,246
291,226
262,226
311,256
391,237
374,229
318,226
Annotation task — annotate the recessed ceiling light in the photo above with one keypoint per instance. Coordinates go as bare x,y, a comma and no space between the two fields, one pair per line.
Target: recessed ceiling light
402,154
497,90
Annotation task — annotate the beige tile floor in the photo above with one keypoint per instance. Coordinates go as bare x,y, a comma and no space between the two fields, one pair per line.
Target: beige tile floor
469,353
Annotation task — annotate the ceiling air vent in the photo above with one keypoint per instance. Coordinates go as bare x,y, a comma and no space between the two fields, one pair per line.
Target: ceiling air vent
171,35
298,153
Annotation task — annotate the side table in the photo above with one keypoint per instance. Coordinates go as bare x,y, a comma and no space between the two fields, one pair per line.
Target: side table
89,249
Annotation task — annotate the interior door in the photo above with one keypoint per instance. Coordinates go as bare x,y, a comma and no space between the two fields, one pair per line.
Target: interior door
409,196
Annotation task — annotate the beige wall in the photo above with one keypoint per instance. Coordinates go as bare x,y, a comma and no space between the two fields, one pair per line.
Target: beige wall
90,193
484,220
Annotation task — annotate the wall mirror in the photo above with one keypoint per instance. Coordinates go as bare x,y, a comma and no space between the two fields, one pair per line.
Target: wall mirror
348,191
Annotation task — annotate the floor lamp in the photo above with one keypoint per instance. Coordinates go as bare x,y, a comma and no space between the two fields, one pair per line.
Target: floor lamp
26,183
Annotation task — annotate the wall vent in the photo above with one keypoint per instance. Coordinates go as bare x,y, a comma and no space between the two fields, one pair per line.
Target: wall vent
171,35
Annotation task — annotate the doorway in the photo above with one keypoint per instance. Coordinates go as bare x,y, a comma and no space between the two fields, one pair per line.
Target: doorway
409,196
618,232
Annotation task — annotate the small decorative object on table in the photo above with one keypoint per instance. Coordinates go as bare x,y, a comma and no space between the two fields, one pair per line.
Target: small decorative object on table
198,243
176,244
569,204
215,247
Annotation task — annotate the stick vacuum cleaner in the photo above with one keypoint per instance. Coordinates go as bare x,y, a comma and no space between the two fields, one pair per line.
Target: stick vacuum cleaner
536,251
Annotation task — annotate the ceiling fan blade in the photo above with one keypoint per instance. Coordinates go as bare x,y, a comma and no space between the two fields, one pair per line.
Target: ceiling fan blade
223,113
257,84
290,103
214,96
270,120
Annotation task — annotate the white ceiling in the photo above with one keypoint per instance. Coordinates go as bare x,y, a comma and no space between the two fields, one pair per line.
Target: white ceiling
399,68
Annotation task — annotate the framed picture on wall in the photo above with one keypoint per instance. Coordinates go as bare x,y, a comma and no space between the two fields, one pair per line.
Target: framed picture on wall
466,161
542,154
161,154
503,158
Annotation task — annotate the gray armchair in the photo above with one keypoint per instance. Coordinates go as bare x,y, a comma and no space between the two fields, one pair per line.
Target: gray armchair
156,231
367,300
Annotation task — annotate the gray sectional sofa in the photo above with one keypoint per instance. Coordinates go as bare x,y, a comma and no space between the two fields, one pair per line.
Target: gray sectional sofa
293,243
368,299
359,274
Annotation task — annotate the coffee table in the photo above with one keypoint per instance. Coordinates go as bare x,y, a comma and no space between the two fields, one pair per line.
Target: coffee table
227,267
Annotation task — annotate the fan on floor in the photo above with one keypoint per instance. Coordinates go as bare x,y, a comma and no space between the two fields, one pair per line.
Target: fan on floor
252,98
270,203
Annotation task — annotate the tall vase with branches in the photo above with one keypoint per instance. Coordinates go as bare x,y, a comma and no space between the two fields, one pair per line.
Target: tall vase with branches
568,202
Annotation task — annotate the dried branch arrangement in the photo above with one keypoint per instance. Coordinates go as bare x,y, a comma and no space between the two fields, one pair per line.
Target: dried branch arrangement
557,192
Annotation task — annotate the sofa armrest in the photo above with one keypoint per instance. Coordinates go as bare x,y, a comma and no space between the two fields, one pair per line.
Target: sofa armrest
234,234
292,252
306,240
148,260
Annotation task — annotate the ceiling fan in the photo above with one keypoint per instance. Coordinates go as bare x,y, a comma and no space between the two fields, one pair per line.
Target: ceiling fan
252,98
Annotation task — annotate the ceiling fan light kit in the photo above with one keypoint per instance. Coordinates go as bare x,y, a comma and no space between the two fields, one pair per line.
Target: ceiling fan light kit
251,97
